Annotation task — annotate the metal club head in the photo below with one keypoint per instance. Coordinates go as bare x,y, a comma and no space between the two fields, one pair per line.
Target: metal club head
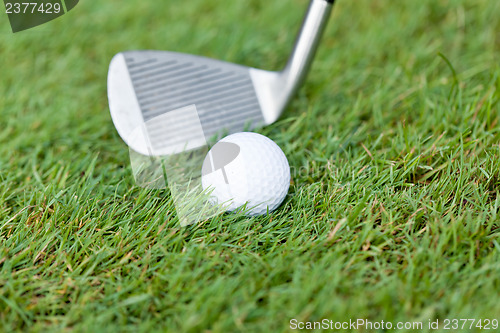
145,85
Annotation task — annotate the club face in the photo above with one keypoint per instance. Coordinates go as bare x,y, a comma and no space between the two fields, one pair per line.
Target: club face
144,85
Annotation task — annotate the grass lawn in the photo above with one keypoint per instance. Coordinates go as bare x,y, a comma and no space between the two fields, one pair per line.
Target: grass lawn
393,210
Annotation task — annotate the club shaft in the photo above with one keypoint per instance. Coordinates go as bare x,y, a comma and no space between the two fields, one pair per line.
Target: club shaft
307,42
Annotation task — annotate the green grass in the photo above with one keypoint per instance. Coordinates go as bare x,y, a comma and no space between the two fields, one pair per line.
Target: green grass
393,211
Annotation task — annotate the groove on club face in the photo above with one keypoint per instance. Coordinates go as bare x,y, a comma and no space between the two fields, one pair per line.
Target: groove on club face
223,93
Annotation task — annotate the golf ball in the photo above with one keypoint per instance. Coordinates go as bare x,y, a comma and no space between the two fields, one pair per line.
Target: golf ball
246,168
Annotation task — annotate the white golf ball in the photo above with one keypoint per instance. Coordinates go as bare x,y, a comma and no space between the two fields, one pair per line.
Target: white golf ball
246,168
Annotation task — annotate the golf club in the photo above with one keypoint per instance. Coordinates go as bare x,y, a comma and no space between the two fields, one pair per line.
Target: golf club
144,85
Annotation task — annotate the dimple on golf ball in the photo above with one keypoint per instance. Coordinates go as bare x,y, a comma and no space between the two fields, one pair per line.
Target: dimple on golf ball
246,168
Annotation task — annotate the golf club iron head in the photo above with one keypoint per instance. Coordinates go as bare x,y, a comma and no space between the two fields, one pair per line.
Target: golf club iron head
144,85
